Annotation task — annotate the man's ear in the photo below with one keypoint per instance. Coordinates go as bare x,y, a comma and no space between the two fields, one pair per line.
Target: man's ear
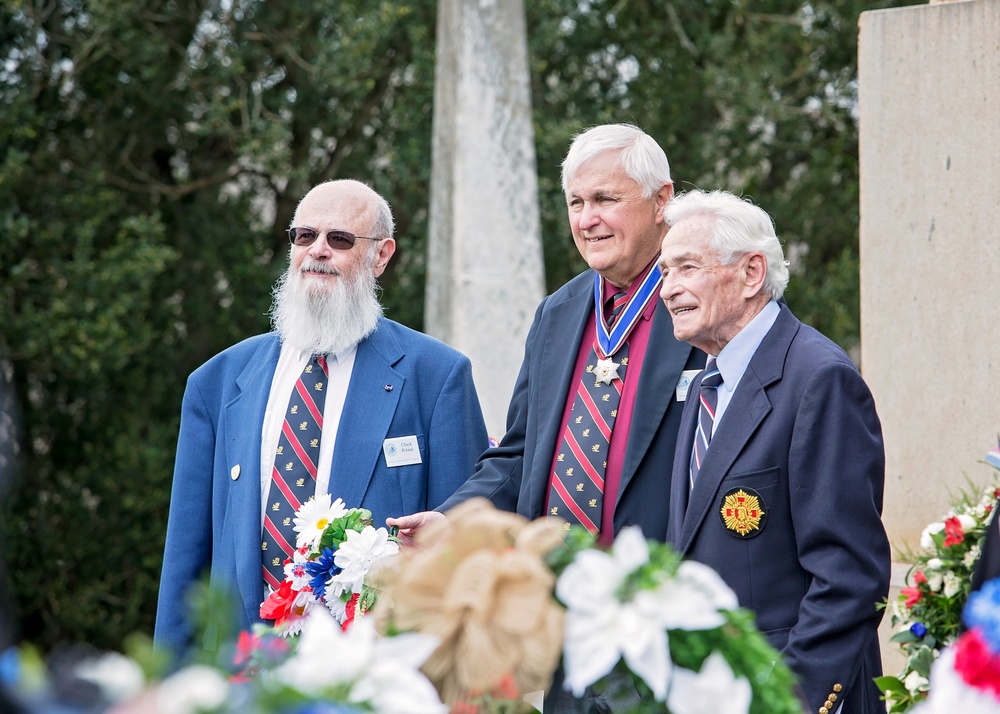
385,250
662,198
754,273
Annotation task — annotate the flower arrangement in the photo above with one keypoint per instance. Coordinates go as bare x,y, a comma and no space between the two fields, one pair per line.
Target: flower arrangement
506,597
472,620
966,677
927,613
336,547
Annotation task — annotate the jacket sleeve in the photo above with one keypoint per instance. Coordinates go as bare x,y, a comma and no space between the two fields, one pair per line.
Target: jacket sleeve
497,475
836,481
457,434
187,553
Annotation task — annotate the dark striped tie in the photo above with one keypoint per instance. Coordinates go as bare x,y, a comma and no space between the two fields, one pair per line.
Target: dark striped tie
576,492
293,478
708,397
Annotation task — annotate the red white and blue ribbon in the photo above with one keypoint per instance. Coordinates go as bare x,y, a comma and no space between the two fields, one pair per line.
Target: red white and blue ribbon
609,342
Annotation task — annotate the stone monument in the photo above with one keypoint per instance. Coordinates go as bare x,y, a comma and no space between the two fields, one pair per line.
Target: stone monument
929,110
485,273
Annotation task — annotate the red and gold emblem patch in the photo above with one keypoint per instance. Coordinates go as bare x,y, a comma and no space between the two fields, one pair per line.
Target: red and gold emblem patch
743,513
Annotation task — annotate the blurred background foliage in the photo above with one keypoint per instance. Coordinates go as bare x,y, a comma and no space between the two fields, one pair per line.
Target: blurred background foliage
152,154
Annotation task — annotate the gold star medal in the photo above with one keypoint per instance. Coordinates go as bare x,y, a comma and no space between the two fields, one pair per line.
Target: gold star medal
606,371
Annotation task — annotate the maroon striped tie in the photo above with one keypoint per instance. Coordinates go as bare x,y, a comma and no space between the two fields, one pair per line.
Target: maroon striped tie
293,478
576,490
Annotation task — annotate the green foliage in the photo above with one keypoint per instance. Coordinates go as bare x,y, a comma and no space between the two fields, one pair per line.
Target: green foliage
152,153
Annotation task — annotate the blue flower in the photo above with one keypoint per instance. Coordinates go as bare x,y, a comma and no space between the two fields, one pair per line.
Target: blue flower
983,612
321,570
918,629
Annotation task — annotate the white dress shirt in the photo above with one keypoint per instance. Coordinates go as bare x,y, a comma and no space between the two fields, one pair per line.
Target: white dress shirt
291,362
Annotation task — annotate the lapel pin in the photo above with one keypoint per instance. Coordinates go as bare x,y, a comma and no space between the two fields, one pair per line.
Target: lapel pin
234,473
388,387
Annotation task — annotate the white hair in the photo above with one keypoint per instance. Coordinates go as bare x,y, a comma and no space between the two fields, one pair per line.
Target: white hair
739,228
330,320
640,156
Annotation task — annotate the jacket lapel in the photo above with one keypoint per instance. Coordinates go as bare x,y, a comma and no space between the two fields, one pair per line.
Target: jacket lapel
662,366
244,422
559,346
748,408
372,397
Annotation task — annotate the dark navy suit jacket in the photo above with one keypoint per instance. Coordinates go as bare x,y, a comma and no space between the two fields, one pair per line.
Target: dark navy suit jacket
404,383
515,475
802,433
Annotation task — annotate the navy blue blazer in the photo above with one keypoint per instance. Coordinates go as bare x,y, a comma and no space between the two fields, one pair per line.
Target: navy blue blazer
801,434
404,383
515,474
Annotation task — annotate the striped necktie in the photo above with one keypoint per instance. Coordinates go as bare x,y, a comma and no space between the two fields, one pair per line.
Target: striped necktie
708,397
293,478
576,489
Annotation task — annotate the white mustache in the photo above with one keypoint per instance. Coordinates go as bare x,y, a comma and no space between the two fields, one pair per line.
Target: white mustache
313,266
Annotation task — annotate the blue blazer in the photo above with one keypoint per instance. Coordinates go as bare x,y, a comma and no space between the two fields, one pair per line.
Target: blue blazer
404,383
801,433
515,475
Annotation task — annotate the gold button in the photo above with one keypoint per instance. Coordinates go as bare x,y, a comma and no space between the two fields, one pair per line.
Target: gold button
827,704
824,710
234,473
833,697
837,687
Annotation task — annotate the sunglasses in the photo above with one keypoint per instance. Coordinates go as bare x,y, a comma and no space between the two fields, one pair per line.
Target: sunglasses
338,240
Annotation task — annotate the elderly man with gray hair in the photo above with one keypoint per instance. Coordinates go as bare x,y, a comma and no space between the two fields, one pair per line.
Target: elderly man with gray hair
779,472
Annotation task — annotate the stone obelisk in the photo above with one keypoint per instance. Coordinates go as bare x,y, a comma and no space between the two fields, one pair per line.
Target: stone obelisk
485,274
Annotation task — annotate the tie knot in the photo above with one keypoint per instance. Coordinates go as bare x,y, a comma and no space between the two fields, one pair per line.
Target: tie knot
712,377
616,303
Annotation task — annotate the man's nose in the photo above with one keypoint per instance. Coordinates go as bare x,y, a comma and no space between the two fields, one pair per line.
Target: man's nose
590,216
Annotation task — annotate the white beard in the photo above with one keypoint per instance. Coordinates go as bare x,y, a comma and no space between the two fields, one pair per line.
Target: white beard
325,319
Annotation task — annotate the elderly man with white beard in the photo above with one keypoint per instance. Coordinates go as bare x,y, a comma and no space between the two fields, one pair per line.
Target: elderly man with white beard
338,399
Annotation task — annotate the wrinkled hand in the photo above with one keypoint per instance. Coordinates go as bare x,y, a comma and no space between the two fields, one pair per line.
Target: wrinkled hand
410,525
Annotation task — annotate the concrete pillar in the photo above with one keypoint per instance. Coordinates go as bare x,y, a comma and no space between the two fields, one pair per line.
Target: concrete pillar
485,274
929,103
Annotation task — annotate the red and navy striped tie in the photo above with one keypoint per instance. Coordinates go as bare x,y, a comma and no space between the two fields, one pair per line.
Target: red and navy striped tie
576,490
708,397
293,478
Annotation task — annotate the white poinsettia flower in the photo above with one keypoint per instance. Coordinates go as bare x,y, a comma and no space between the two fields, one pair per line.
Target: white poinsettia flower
315,665
393,683
926,541
118,677
191,690
693,600
600,629
714,690
356,555
383,672
314,516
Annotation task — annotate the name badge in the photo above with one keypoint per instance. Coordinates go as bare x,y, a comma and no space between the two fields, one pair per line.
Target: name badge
401,451
684,382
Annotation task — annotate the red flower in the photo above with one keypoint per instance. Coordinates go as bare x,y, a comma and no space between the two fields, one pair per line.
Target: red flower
245,647
279,603
954,532
919,577
350,610
912,596
978,666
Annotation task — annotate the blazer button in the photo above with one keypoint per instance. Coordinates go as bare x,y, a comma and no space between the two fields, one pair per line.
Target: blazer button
824,710
837,687
234,473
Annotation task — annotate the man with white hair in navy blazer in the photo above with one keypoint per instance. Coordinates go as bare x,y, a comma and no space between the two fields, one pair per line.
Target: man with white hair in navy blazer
779,471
